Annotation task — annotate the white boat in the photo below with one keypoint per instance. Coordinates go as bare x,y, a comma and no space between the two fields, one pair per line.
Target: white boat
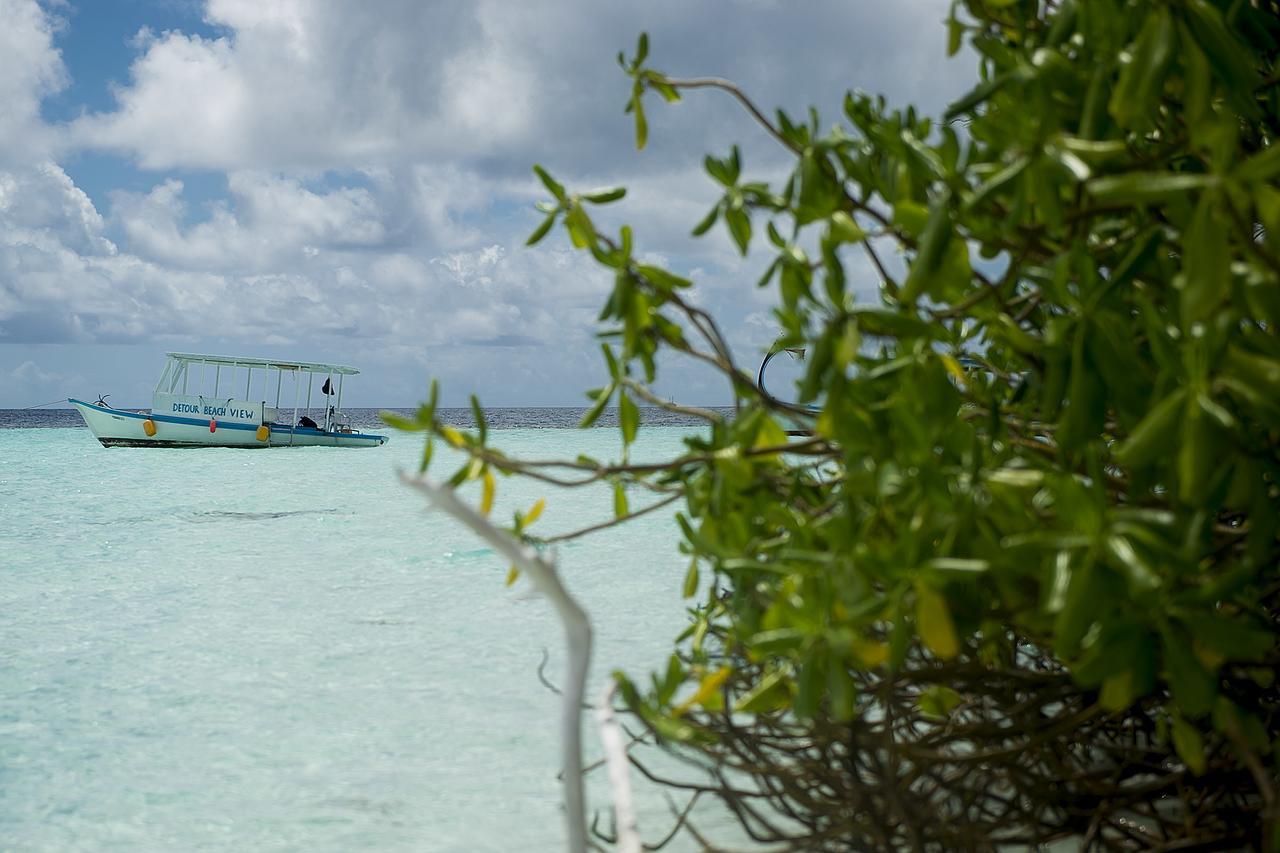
188,408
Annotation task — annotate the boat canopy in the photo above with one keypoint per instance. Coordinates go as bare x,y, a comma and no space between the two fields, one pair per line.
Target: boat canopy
228,371
269,363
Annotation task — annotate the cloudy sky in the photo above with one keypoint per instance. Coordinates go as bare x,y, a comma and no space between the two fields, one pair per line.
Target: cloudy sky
351,181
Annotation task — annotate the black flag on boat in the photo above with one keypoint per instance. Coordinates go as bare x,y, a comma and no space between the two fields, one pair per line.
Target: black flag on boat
326,389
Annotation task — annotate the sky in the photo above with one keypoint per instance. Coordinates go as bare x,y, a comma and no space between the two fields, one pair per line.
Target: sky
351,182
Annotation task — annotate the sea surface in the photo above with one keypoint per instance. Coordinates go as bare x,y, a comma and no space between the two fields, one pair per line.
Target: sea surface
223,649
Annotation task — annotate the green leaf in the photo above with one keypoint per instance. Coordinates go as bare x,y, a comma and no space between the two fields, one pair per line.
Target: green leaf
1198,455
930,252
541,230
1263,166
1189,744
933,623
604,196
427,452
665,89
1194,689
1235,637
976,96
955,35
1146,187
642,126
398,421
1227,54
1206,262
958,565
705,225
628,418
615,369
1079,610
690,580
938,701
739,227
642,48
843,229
663,279
601,400
550,183
769,694
1085,412
997,182
810,684
841,693
582,232
820,192
1155,436
477,414
1142,77
619,499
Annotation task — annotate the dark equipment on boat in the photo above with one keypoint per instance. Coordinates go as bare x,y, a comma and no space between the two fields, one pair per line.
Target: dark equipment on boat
327,388
305,421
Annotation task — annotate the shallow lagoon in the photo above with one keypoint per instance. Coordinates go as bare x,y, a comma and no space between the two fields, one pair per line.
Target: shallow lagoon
226,649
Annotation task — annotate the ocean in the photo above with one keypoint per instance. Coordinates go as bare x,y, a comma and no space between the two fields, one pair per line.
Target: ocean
222,649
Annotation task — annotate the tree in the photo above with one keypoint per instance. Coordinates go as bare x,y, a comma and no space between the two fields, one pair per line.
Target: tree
1008,572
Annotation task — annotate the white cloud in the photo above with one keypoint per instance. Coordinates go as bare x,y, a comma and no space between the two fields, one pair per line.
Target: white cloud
330,86
377,185
30,69
268,222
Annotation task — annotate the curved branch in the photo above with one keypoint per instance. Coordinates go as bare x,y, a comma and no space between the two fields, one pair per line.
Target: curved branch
732,88
577,628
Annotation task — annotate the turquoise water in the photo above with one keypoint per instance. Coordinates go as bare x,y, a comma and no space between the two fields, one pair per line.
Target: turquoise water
284,650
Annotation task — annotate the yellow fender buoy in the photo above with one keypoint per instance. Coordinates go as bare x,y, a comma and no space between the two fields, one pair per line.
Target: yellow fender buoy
149,427
264,432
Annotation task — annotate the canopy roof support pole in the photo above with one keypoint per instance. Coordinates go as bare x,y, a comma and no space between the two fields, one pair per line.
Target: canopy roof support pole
340,393
217,379
308,393
279,379
184,378
328,407
168,366
297,391
248,380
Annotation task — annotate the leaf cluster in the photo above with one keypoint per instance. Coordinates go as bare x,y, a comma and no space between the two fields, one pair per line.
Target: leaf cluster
1028,506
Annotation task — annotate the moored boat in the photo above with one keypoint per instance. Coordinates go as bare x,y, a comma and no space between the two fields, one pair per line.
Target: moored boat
180,418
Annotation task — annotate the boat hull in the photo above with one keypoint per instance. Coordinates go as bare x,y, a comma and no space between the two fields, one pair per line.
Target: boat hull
119,428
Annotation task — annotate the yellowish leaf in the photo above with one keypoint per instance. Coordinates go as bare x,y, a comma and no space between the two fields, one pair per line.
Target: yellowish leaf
770,435
486,495
512,574
953,367
933,622
869,652
705,690
535,512
452,436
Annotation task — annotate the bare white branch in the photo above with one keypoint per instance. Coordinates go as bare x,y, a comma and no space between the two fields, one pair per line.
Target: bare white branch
577,628
615,755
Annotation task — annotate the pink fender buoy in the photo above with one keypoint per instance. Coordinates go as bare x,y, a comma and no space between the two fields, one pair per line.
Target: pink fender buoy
213,425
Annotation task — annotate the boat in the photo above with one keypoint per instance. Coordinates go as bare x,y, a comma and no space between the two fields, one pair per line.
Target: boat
189,409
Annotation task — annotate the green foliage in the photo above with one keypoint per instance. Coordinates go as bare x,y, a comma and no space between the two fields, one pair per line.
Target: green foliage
1031,512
